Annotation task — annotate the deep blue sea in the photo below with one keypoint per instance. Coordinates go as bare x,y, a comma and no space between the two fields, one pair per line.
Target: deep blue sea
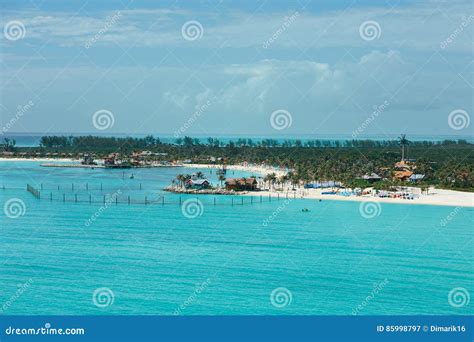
222,259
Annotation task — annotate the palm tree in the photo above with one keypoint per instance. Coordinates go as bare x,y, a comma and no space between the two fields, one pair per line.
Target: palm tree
180,179
272,178
199,175
221,179
403,141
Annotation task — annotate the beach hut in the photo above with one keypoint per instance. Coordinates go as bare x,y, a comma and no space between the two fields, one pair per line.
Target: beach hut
197,184
241,184
416,177
403,175
373,177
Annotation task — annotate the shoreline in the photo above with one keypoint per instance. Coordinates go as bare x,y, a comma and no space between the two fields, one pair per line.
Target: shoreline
258,169
440,197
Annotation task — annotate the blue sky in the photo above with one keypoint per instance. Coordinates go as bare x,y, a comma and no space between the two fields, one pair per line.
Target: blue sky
311,60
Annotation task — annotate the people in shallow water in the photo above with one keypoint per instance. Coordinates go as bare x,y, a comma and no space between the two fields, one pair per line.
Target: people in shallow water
305,210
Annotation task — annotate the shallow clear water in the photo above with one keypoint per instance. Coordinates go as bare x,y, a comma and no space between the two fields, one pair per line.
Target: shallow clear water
229,259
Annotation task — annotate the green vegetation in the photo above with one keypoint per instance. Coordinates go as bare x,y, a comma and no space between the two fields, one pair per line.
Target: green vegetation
447,164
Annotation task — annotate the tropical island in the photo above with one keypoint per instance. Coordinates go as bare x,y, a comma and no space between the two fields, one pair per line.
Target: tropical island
400,169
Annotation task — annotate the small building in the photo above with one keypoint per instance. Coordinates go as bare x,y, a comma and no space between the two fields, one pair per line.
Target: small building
416,177
241,184
88,160
402,175
404,165
373,177
110,160
197,184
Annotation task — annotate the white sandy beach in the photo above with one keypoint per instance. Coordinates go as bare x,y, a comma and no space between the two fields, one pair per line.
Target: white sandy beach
258,170
434,196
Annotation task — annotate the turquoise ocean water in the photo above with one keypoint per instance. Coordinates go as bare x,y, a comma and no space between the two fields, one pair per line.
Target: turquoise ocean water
227,260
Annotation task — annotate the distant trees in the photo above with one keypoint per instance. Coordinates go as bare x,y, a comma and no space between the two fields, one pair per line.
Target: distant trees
8,145
447,164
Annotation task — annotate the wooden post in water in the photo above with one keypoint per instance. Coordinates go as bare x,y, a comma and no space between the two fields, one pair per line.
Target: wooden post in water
116,200
64,197
232,202
140,186
251,199
128,199
104,199
269,198
145,199
260,198
90,198
242,201
50,196
214,201
100,186
179,200
163,200
75,198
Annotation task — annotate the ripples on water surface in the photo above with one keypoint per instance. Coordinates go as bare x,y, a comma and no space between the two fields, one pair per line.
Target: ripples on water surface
331,260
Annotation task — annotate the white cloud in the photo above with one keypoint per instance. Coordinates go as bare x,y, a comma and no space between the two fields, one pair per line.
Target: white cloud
422,26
